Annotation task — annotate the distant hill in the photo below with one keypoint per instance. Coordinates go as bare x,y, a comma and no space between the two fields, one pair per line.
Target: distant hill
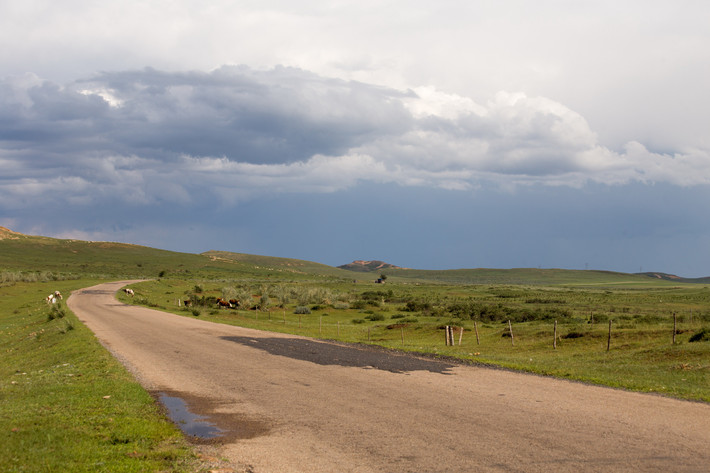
368,266
27,253
674,278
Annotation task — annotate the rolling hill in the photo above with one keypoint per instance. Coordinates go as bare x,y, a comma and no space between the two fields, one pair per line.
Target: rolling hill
19,252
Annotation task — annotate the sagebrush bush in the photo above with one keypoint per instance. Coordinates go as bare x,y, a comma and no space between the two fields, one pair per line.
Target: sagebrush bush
302,310
701,336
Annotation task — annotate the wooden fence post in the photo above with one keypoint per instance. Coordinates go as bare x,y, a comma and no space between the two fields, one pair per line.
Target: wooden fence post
475,327
460,336
320,325
510,327
338,327
402,329
608,341
554,337
675,325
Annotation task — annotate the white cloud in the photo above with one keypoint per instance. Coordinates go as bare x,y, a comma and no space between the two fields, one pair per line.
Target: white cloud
237,134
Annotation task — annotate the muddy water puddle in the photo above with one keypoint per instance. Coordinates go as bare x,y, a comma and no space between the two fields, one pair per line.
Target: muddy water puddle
190,423
196,418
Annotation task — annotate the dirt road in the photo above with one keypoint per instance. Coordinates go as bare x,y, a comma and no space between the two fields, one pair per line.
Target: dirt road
291,404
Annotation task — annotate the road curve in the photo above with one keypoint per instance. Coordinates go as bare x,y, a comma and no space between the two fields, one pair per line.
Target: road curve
292,404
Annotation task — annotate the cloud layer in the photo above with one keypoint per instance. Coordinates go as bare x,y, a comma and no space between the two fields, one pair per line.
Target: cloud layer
148,136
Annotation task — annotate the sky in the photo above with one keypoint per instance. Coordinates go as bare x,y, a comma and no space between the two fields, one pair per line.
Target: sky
430,135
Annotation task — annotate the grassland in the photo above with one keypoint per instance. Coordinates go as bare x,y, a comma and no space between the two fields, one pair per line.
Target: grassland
54,415
65,403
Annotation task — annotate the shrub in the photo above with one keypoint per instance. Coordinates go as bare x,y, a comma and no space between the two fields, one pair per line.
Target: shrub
701,336
302,310
375,317
341,305
196,312
398,316
56,312
358,321
359,304
573,334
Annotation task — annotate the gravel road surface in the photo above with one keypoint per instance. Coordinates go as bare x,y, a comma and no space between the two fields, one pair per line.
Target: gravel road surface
292,404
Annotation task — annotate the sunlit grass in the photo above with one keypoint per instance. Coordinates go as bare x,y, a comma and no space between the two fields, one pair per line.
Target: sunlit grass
65,403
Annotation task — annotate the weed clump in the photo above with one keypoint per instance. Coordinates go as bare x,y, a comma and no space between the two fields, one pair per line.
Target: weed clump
56,312
302,310
701,336
573,334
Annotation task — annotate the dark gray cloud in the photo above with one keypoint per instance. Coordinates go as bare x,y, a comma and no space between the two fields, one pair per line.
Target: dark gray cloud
144,137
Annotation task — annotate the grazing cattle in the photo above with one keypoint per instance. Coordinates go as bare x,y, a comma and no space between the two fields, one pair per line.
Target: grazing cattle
222,303
187,303
234,302
129,291
58,295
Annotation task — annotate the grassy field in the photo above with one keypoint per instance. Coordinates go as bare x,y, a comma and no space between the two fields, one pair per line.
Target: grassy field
65,403
642,355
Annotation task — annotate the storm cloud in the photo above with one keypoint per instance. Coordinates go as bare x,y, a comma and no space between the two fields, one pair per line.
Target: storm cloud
233,133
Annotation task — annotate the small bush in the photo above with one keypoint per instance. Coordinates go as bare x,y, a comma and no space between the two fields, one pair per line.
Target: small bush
358,321
375,317
573,334
701,336
56,312
196,312
341,305
359,304
398,316
302,310
68,326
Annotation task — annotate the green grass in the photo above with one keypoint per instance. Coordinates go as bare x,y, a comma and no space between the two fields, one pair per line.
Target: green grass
642,356
66,404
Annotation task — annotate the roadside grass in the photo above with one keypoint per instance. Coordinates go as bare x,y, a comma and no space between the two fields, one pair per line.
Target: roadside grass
65,403
642,356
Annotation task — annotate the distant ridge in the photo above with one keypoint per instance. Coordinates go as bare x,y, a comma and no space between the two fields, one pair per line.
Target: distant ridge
368,266
6,233
674,278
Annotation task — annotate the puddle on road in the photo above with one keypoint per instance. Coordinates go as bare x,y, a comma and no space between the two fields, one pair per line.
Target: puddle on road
210,426
191,424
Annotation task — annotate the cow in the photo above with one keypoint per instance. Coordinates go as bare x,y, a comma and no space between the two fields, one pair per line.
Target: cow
129,291
222,303
234,302
187,302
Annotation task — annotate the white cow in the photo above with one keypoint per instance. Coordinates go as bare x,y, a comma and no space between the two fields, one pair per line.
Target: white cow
129,291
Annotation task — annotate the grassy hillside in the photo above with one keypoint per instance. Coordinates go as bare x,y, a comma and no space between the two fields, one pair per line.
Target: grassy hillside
525,276
120,260
287,267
